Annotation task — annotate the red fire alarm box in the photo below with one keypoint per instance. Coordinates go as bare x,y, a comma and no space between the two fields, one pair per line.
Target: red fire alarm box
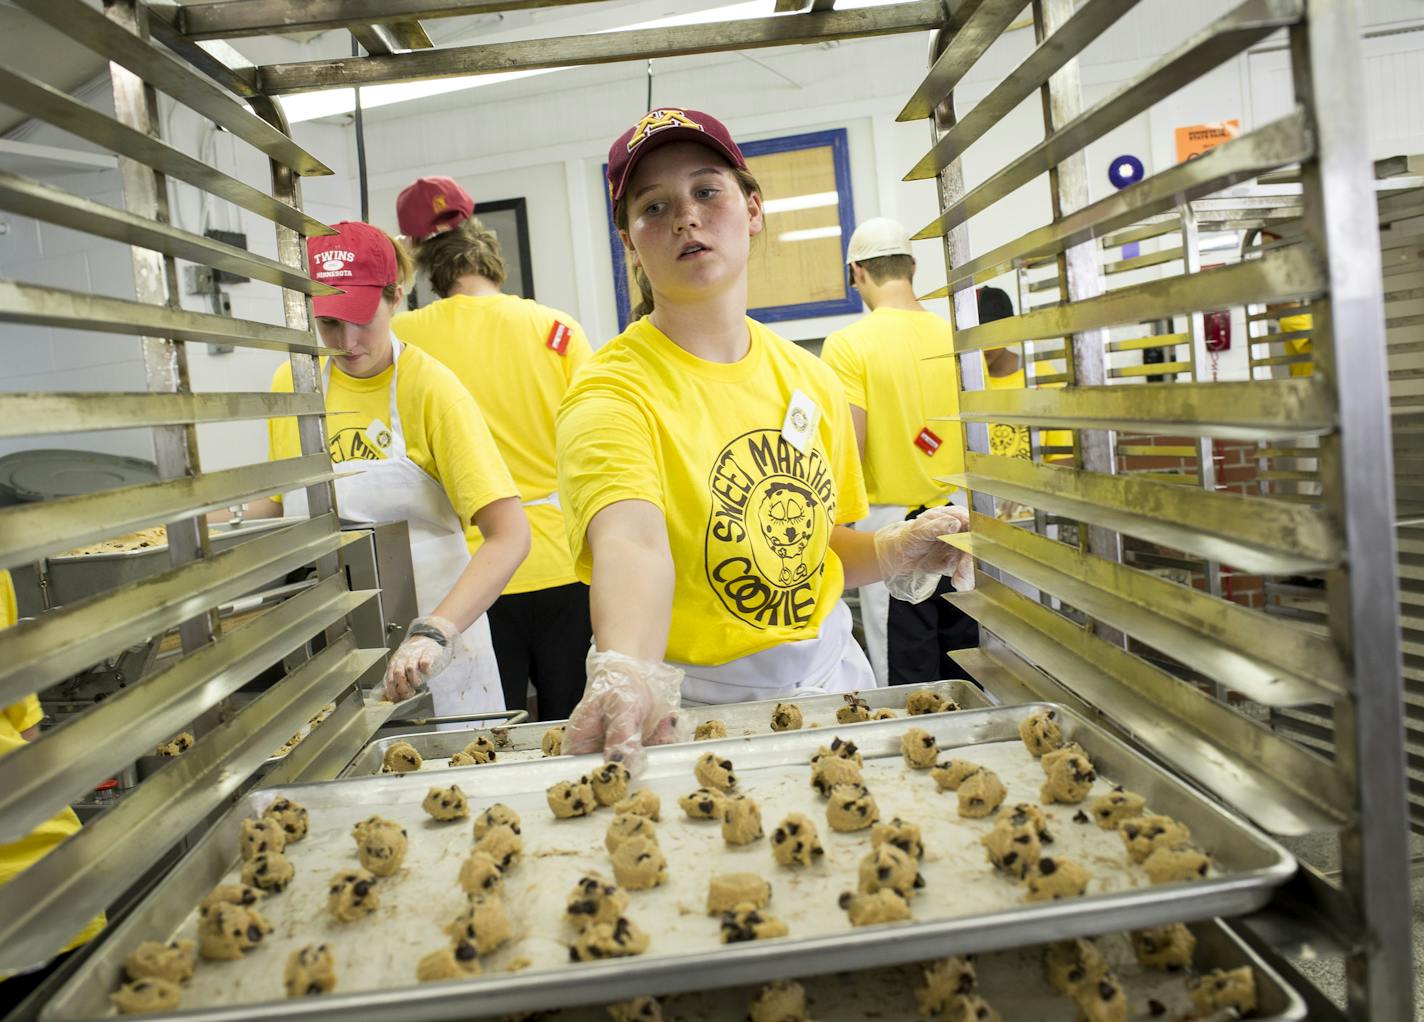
1217,327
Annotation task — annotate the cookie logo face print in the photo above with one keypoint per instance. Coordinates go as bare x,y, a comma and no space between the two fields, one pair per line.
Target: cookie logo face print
772,513
353,445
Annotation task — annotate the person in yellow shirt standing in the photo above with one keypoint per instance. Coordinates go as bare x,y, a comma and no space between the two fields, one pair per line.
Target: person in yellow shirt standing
408,444
20,723
708,469
516,358
898,370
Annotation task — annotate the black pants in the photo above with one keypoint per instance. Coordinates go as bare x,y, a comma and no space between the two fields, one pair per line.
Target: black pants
919,636
542,637
17,988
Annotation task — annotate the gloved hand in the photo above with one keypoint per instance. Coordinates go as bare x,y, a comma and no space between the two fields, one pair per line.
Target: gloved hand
428,648
627,704
913,558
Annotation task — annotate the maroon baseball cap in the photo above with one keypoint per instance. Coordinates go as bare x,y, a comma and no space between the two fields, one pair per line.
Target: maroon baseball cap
658,128
432,206
360,260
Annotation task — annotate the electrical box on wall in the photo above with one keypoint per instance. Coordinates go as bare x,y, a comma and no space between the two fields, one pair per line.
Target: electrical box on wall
237,239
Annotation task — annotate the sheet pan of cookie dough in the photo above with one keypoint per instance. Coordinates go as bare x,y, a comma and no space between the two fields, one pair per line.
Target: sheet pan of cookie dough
965,903
524,741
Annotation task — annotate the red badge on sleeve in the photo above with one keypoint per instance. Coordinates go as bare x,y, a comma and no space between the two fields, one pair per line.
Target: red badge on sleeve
928,442
558,339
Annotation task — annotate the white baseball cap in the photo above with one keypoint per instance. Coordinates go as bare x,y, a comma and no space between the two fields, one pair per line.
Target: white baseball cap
878,236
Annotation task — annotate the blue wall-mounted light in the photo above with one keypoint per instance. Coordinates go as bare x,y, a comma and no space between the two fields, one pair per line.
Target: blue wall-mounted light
1125,170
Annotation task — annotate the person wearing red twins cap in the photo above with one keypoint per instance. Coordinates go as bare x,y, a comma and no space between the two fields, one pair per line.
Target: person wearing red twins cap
408,443
708,469
516,358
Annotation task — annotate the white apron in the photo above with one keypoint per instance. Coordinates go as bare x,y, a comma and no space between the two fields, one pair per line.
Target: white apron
397,489
831,662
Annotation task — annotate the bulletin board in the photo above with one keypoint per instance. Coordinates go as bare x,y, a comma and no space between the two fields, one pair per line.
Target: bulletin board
797,268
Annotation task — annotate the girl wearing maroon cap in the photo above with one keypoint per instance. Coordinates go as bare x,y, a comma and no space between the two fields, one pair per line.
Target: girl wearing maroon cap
708,469
408,444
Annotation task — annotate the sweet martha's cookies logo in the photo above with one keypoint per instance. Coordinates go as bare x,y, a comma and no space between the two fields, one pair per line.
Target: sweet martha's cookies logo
772,512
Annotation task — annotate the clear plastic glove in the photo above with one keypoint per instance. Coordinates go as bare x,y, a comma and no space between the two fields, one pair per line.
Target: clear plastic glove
428,648
627,704
913,558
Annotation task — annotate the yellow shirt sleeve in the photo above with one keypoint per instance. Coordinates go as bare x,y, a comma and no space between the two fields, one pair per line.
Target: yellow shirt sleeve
25,714
841,356
466,462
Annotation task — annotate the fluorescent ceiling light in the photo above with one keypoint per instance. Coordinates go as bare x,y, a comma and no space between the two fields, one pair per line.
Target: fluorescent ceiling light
814,200
811,234
309,106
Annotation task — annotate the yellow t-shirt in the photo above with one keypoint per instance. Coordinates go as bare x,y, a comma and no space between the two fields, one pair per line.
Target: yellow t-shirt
1301,345
881,360
516,357
445,435
749,517
20,855
1013,441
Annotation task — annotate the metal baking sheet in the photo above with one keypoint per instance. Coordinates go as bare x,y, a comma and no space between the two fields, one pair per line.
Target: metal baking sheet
741,719
964,907
1013,982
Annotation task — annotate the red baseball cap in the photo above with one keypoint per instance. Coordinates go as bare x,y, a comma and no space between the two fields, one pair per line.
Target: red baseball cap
432,206
360,260
658,128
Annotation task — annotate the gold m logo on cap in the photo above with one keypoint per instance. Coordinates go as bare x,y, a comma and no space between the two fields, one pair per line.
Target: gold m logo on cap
655,121
438,203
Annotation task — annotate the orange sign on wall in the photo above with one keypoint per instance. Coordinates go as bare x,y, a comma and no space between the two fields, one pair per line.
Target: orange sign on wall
1195,139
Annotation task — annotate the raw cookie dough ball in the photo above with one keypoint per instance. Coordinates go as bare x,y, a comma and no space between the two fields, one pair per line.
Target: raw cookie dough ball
1110,810
552,744
1053,878
1070,749
741,820
945,978
497,815
883,714
271,871
703,804
455,962
708,730
352,895
480,749
400,758
1146,834
888,867
855,710
639,864
626,826
713,772
610,783
502,845
747,922
1103,1001
484,923
639,1009
229,930
500,737
568,799
643,802
1069,780
950,774
1069,964
728,890
619,939
970,1008
781,1001
981,794
179,744
838,749
786,717
152,960
884,906
258,836
462,759
1220,989
1040,732
833,770
1176,865
904,836
481,874
446,803
926,701
1012,848
593,901
919,748
380,845
851,808
795,842
1027,812
290,816
1165,947
147,995
311,970
229,894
